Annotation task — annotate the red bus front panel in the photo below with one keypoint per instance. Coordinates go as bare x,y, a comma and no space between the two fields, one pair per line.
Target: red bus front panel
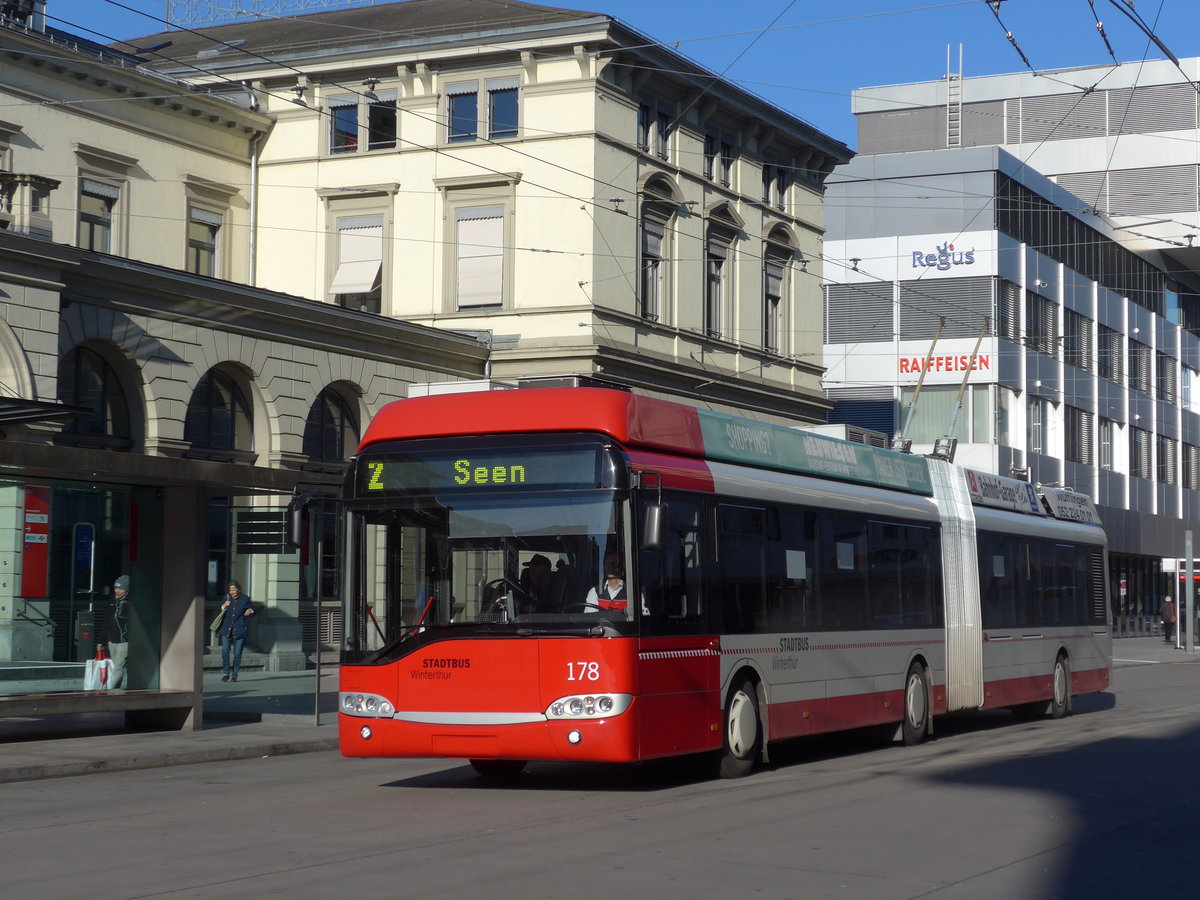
489,699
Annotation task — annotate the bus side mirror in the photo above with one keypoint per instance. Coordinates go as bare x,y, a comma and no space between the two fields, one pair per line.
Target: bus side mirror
297,523
654,526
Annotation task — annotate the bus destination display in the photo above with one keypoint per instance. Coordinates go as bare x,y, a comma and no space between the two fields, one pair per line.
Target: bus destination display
480,469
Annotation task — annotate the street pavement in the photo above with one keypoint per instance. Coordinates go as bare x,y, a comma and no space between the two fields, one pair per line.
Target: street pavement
91,743
97,742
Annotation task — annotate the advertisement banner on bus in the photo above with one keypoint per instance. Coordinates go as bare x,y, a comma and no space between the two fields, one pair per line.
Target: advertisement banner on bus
1002,493
1071,506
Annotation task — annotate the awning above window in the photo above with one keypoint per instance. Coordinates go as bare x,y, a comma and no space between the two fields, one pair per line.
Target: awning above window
360,255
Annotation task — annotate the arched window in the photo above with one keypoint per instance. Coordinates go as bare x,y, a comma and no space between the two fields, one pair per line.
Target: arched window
721,235
777,254
218,416
86,379
331,432
660,203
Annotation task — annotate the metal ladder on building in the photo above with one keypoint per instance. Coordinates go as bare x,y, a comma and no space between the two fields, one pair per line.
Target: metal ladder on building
953,101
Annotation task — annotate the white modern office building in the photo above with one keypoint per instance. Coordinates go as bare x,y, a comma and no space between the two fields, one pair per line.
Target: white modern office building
1022,249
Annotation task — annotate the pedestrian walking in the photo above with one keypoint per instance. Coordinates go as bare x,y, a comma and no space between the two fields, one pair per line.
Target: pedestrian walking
1168,619
235,612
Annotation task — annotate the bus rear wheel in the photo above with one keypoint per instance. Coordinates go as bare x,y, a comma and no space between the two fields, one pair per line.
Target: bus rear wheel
916,704
498,769
1060,704
743,731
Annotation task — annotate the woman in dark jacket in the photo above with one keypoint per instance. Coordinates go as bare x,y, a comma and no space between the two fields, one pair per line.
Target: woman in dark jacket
237,610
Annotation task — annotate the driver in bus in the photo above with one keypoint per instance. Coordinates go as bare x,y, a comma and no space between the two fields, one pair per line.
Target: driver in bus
610,595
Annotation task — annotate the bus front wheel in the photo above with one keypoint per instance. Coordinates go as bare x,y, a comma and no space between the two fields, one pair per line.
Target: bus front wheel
1060,705
743,731
916,704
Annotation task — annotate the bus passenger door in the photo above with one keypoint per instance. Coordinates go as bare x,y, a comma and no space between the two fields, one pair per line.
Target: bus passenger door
679,705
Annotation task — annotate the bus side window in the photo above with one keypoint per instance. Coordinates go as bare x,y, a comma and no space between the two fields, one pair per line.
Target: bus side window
844,572
670,579
791,584
742,549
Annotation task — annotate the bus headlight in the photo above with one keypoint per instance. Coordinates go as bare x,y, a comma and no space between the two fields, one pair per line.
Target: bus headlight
368,705
589,706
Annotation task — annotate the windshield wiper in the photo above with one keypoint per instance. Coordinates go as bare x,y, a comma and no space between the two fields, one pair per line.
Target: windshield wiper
590,631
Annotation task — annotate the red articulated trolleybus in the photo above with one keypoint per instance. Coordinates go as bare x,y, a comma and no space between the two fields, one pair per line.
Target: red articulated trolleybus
587,574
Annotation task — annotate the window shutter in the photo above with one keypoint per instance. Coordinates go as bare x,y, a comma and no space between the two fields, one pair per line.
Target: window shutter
204,217
100,189
480,256
360,255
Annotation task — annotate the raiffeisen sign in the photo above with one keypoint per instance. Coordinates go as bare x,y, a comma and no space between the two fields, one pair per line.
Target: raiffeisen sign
943,258
961,362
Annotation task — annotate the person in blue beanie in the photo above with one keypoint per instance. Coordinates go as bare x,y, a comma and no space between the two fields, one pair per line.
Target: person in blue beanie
117,633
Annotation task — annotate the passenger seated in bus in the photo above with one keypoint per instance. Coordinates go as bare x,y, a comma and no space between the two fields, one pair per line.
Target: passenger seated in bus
610,595
535,582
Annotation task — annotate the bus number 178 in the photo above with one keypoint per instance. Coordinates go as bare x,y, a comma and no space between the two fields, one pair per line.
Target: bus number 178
583,671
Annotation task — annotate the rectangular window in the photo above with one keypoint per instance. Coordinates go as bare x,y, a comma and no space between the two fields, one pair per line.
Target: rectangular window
783,178
1109,354
381,122
1107,435
1167,377
772,306
938,409
1077,340
462,113
714,291
1191,467
503,107
710,157
726,163
343,125
1036,437
652,268
1078,436
479,249
1186,381
662,135
1140,453
775,179
357,283
1139,367
96,202
1008,311
1166,460
1041,324
645,117
203,229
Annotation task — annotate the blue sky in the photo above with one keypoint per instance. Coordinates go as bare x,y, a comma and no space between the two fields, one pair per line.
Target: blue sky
807,56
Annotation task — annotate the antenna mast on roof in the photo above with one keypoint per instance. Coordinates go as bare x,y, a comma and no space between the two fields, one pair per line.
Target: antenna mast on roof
193,13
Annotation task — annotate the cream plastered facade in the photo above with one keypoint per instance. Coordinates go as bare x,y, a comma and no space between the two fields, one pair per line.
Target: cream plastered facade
572,183
159,147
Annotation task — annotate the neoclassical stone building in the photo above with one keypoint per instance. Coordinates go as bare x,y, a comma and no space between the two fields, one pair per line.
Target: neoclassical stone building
157,418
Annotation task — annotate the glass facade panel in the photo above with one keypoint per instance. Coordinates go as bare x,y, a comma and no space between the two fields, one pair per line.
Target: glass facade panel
69,543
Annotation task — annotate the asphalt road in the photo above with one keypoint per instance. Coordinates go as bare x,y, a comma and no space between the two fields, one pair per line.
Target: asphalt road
1104,804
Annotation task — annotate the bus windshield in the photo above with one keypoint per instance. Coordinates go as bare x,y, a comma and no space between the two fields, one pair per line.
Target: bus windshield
512,563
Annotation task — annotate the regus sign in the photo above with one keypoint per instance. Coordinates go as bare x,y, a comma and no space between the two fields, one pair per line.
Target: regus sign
944,258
